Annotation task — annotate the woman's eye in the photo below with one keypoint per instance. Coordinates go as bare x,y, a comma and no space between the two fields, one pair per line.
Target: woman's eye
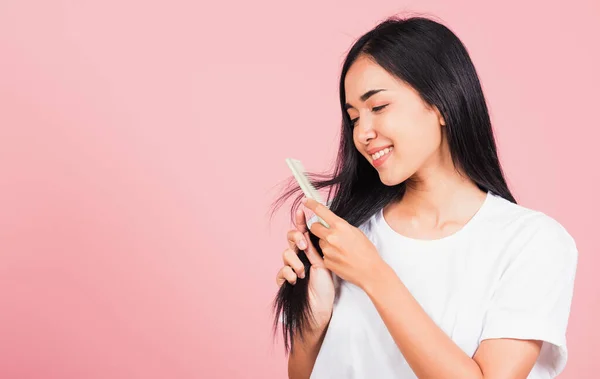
375,109
379,108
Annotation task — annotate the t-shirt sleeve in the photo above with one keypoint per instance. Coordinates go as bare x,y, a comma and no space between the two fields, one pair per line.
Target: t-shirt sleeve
533,296
311,221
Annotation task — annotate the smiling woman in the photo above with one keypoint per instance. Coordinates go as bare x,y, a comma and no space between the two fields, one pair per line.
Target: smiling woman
430,269
398,114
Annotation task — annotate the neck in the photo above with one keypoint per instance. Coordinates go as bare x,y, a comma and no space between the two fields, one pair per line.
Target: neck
439,192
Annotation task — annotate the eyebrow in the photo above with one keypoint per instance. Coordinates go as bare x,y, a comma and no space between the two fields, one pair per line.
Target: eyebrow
364,97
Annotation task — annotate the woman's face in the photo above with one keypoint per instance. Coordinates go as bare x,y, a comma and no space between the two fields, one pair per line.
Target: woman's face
394,117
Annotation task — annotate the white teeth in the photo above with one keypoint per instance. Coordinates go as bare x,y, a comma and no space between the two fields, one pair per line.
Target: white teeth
381,153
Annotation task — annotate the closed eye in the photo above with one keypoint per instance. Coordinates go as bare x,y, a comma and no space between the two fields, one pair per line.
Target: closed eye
375,109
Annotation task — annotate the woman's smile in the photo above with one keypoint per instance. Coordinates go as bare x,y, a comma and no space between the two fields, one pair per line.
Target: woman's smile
380,157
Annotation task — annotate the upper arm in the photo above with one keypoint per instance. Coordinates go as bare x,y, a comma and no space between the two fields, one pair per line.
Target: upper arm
506,358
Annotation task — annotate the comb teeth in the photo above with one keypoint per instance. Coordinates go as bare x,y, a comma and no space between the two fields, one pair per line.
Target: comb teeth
309,190
299,173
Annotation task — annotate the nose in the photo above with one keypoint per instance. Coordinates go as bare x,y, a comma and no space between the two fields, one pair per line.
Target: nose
365,132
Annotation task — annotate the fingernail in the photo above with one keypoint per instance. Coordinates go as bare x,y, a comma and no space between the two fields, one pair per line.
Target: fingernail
301,275
302,244
303,201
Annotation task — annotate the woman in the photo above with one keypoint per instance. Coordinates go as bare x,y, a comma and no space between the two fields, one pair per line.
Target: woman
429,269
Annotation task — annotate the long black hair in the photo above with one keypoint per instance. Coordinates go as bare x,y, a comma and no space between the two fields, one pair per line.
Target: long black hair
429,57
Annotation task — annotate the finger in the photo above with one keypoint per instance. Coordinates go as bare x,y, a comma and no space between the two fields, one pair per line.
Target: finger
301,220
286,274
312,254
290,258
322,211
280,278
320,230
296,240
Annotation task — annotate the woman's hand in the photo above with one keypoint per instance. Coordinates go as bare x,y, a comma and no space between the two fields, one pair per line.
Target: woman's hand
346,249
321,289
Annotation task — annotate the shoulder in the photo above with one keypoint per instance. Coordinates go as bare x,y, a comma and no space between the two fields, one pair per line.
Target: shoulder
531,232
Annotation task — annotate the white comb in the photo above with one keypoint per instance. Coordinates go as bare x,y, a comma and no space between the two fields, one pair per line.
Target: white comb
309,190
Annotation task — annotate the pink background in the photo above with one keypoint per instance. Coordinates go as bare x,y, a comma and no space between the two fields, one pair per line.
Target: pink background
134,244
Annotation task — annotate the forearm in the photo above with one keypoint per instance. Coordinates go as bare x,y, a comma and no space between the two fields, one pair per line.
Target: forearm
427,349
304,354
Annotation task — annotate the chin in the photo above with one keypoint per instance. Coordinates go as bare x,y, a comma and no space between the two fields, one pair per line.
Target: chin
391,181
393,176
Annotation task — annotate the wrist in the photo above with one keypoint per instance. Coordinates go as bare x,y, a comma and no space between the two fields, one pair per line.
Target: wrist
320,322
380,274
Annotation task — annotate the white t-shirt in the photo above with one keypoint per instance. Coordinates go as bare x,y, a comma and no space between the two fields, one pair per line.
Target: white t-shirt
508,273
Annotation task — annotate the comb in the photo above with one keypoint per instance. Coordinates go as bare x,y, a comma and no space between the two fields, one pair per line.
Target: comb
309,190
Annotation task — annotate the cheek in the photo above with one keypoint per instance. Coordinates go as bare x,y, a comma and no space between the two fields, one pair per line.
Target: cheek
355,139
414,135
428,133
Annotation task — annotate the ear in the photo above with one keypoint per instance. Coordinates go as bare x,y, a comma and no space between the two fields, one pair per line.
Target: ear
440,117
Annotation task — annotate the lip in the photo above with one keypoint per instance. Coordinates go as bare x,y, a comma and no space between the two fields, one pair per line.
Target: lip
376,149
380,161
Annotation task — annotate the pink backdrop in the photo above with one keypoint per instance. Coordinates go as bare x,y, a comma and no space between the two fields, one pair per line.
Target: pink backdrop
133,244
